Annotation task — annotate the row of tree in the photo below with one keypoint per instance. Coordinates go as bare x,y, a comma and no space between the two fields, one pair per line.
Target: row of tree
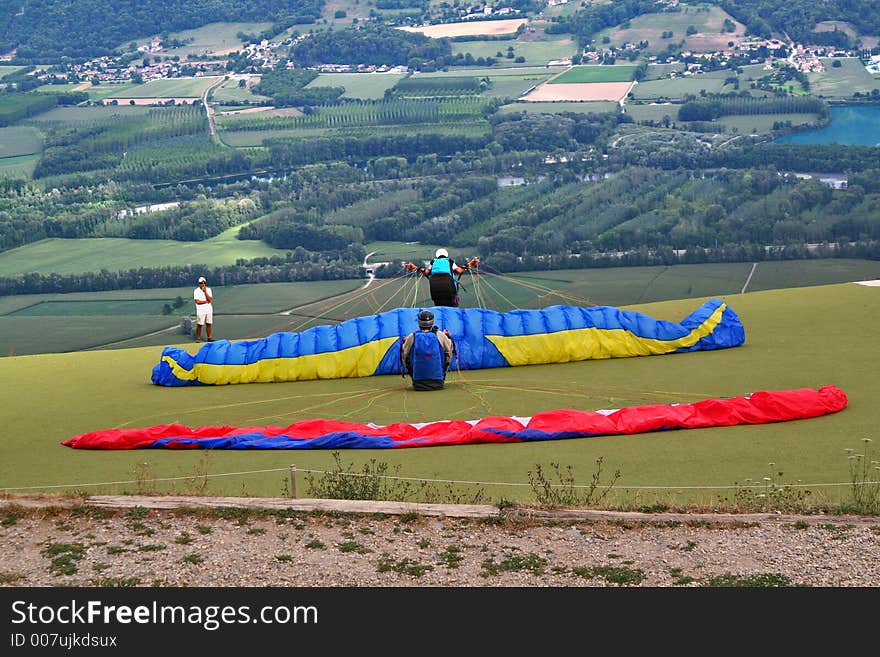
298,266
708,109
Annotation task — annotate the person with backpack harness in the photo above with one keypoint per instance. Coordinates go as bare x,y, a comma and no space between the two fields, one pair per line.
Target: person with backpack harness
427,354
443,275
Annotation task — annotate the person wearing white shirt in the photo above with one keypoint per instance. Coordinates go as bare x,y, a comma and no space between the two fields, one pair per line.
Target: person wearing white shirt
203,296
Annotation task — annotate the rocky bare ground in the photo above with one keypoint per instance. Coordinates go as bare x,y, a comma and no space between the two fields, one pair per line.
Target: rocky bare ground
85,546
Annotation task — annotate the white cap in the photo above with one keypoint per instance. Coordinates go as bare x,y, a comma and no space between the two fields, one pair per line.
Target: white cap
202,279
441,253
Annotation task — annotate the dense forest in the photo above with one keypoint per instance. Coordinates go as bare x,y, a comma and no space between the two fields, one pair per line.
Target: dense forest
49,30
371,44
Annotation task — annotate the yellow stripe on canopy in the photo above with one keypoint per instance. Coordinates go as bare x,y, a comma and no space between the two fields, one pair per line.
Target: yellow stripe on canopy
361,360
594,343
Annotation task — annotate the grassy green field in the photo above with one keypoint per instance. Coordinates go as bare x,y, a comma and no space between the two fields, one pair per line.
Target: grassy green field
652,111
172,88
40,323
6,70
66,307
578,74
755,123
512,86
558,10
31,324
661,71
539,72
596,107
358,85
58,88
229,91
632,285
104,90
19,140
353,9
759,123
706,19
98,390
86,114
679,87
18,167
208,39
536,53
71,256
842,82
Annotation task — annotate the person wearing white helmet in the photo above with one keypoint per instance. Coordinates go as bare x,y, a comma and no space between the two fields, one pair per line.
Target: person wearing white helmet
443,275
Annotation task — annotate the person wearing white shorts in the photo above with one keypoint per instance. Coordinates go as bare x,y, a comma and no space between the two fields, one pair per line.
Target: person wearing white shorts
203,296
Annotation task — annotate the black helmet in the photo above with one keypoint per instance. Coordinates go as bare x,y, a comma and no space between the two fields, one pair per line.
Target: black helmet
426,319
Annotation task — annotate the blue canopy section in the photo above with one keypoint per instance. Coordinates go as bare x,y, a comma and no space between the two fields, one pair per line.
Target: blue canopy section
370,345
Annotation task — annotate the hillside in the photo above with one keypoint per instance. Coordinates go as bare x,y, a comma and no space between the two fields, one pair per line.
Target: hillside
539,137
794,338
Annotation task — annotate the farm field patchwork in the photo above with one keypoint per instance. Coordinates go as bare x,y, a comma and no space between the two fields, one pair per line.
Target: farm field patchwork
446,115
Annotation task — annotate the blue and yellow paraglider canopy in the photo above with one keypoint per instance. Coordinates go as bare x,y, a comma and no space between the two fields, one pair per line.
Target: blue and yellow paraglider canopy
369,345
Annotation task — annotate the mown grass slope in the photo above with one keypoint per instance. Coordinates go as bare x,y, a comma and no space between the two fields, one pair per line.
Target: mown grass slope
805,337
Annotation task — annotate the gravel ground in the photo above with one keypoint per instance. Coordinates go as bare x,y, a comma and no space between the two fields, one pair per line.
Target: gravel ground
112,547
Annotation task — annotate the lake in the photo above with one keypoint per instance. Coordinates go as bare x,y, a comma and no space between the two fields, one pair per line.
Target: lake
852,125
